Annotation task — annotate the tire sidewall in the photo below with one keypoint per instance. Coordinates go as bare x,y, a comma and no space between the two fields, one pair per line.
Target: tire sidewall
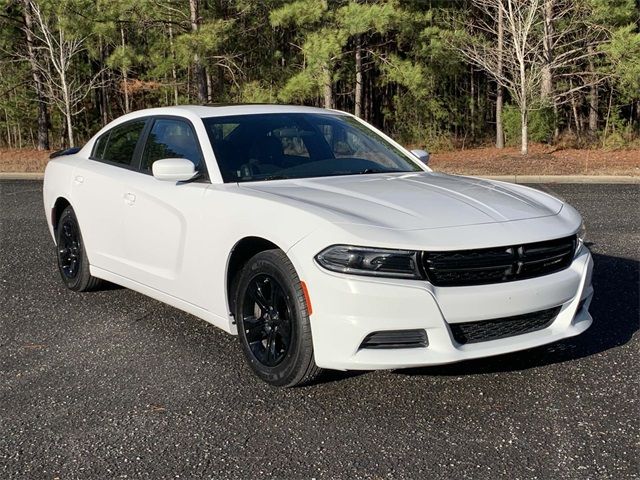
289,368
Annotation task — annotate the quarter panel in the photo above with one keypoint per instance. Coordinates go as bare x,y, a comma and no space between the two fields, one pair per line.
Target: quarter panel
58,177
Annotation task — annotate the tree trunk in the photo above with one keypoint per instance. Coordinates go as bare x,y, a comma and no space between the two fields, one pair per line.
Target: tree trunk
209,85
358,93
6,120
524,108
556,125
546,89
500,92
67,114
198,70
174,74
576,117
43,111
327,87
104,106
593,95
125,77
593,109
472,105
524,118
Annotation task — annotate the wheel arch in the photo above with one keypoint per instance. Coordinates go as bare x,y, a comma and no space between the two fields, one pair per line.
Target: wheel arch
243,250
56,211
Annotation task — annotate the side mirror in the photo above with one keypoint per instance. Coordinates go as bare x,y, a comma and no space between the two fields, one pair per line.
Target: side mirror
173,169
421,155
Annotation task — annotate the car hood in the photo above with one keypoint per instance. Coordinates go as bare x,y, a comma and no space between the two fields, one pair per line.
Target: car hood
411,200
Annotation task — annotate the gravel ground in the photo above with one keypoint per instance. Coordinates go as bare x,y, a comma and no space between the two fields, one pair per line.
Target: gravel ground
114,385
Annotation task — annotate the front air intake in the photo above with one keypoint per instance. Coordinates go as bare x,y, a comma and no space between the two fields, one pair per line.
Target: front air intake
396,339
497,328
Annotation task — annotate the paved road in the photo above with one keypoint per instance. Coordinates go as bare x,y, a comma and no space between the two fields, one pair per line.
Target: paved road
113,384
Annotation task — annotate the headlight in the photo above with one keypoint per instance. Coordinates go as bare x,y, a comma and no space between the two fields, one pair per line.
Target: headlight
376,262
582,234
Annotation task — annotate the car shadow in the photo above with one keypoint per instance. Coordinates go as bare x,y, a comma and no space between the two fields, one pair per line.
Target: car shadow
107,286
616,317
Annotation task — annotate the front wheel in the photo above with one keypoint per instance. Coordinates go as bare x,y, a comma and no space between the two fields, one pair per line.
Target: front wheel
273,322
73,263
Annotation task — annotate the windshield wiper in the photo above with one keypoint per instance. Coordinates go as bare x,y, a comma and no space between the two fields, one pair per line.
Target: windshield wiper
370,170
276,177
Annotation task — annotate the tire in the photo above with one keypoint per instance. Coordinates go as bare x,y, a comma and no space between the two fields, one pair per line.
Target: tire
273,322
73,263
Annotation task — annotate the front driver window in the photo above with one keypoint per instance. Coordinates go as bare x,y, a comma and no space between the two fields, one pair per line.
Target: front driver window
171,139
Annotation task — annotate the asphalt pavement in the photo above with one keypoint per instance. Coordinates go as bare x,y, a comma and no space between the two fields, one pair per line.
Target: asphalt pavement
113,384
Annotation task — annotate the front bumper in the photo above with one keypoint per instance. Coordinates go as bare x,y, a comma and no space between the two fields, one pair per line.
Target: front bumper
348,308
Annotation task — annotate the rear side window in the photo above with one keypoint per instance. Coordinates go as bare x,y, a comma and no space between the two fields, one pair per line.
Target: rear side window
119,145
98,148
170,138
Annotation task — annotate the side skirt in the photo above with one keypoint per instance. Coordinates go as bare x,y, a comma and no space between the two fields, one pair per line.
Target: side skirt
220,322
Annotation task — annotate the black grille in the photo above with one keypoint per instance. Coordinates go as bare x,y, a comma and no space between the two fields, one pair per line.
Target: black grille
482,331
500,264
396,339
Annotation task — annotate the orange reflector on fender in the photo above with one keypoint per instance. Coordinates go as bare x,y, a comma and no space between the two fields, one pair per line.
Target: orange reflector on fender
307,299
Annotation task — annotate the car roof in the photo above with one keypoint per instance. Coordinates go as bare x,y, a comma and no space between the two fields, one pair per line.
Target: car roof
193,112
217,110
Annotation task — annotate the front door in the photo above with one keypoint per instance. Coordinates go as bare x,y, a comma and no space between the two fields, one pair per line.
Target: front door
162,220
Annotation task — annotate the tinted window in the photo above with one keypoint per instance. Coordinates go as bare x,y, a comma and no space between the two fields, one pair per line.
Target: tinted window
299,145
98,148
170,138
121,143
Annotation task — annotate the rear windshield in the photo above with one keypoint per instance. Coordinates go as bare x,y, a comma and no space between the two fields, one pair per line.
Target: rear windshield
299,145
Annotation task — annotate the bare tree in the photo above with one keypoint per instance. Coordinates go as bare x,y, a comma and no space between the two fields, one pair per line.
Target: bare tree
500,89
358,90
546,90
59,50
198,69
526,59
125,73
43,111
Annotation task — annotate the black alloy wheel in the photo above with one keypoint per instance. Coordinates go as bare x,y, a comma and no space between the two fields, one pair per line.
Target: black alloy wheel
73,263
266,316
69,247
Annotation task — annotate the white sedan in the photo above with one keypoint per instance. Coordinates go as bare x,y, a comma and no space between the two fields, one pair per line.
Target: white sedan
317,239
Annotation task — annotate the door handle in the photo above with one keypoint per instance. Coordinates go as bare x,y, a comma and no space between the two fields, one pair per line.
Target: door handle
129,198
79,179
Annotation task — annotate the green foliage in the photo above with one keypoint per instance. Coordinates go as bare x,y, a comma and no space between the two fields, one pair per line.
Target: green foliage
302,86
619,133
408,74
124,57
420,123
414,85
300,13
623,53
540,126
255,92
358,18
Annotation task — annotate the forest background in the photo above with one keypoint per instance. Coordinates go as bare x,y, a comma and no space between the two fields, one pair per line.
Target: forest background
535,75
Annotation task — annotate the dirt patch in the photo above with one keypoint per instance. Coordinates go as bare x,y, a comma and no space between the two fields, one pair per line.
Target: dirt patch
542,160
23,160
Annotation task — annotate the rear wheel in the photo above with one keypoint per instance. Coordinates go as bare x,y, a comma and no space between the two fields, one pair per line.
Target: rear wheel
73,263
273,322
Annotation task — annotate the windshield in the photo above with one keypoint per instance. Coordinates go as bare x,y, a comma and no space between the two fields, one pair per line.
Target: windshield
276,146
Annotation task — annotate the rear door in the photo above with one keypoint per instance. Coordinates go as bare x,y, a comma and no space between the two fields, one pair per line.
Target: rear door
97,192
162,236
